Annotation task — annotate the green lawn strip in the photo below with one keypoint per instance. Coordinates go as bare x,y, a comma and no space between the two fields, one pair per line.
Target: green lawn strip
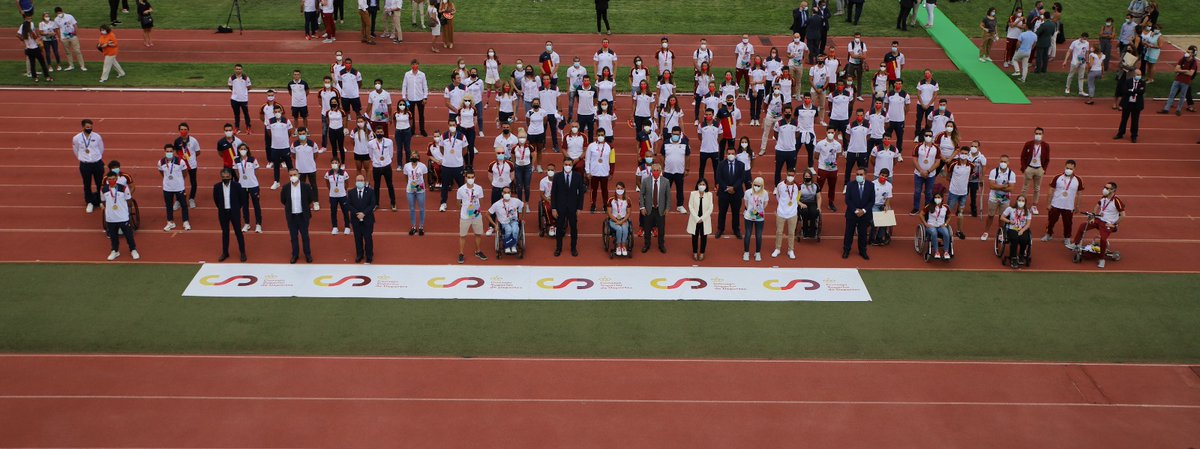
915,315
187,75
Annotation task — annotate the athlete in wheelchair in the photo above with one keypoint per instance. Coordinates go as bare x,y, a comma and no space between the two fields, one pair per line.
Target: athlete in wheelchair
135,218
810,209
511,236
617,230
933,237
882,235
1104,218
1014,234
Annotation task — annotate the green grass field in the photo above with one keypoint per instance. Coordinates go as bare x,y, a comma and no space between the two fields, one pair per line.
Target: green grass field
1075,317
626,16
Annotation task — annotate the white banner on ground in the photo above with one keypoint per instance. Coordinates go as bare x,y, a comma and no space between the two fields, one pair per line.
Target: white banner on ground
528,282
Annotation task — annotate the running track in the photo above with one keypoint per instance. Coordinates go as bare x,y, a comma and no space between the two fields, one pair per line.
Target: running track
275,402
1155,177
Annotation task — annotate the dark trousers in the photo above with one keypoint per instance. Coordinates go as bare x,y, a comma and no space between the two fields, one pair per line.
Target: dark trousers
112,8
856,71
551,129
973,191
384,173
469,153
244,108
404,143
418,108
35,57
715,157
337,144
311,179
373,11
856,225
677,181
855,160
655,219
902,19
91,173
169,198
451,175
310,23
922,122
1019,243
729,202
566,219
334,204
251,197
1043,60
784,158
587,125
297,232
699,239
228,219
1067,218
339,9
115,239
754,228
602,14
192,179
364,242
1130,115
854,9
897,129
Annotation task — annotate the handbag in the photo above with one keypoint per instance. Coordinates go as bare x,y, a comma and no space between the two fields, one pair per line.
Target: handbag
147,21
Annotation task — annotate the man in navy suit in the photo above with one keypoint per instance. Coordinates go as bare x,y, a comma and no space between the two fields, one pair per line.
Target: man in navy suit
566,199
297,198
731,178
860,197
362,204
800,19
227,196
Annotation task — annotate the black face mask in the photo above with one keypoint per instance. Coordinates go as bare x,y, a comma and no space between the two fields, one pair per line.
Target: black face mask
87,131
506,132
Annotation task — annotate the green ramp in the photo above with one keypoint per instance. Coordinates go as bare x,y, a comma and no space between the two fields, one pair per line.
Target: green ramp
994,83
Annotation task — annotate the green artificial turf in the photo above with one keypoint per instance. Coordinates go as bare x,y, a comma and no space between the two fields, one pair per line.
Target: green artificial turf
914,315
626,16
996,84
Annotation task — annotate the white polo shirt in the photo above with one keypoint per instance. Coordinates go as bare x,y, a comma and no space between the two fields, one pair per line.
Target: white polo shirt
883,191
895,105
116,203
605,59
348,80
598,156
1065,190
506,210
381,151
502,173
788,198
88,148
172,174
305,152
241,88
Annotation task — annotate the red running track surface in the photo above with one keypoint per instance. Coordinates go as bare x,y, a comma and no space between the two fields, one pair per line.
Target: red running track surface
264,402
1154,178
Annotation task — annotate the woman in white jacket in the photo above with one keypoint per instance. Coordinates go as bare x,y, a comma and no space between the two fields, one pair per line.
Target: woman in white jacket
699,225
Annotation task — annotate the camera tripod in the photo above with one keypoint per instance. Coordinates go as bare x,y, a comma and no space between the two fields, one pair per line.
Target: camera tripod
235,9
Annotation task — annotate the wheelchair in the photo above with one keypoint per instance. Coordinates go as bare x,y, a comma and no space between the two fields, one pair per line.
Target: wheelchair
1092,248
809,229
545,218
520,241
880,236
610,236
1001,250
135,218
924,246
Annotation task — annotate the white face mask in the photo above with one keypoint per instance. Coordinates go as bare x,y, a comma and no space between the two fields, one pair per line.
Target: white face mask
520,66
949,129
857,40
550,173
103,33
508,196
1021,204
270,98
928,139
1037,137
295,179
974,150
338,58
278,115
1105,192
244,153
574,129
664,45
757,189
701,187
1003,166
791,179
491,53
567,169
228,133
730,157
745,40
703,46
328,85
745,145
334,167
520,140
1068,172
378,86
470,181
461,65
829,136
451,129
620,191
937,201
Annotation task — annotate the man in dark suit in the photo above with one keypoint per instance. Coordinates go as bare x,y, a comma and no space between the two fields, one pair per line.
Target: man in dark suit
296,199
362,203
566,199
731,177
906,9
860,198
227,195
800,19
855,10
602,13
655,202
1132,92
814,35
1045,38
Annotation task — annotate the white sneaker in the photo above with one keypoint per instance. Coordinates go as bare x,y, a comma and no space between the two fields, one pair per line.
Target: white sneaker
1005,64
83,68
1067,91
316,206
1066,241
1046,238
1083,94
90,207
328,41
191,203
984,236
489,231
135,255
791,254
275,185
745,257
775,254
442,208
681,210
757,257
170,225
246,227
113,255
1034,209
346,231
187,226
334,232
258,229
1101,264
270,165
1070,246
176,206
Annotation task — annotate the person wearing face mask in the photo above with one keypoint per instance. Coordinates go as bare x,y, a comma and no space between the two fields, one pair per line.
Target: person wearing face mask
988,26
881,236
506,105
978,161
327,97
173,171
927,97
937,227
246,164
643,103
1110,210
305,151
701,56
755,202
728,116
296,198
381,150
50,34
1064,201
654,203
1035,156
746,157
549,60
465,125
380,102
575,74
538,122
828,151
548,99
839,109
787,195
958,171
886,156
925,158
1024,51
361,136
938,119
675,150
546,216
805,121
109,48
857,152
227,197
598,166
1185,71
585,97
414,92
268,110
670,114
362,203
947,143
786,146
665,57
1045,42
88,147
116,199
505,213
757,93
337,177
188,148
699,225
1016,24
522,158
1127,34
800,20
1152,42
1017,220
475,92
856,52
795,62
227,146
416,185
1000,182
876,124
566,200
897,104
435,25
67,28
809,207
1131,92
730,177
350,83
500,175
744,53
450,154
775,111
1077,57
574,143
893,63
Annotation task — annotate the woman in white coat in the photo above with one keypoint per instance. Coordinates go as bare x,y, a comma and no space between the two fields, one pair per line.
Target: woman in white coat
699,225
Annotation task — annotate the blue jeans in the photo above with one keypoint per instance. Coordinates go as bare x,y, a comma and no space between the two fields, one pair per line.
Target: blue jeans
755,228
933,233
511,230
416,205
522,176
922,185
620,232
1179,90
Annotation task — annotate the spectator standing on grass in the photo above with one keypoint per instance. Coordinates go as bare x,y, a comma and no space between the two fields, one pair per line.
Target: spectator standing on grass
1096,63
419,11
602,14
51,35
1045,41
800,19
146,20
67,27
28,34
1077,56
1020,61
1127,34
1132,91
227,197
112,10
116,197
930,7
447,12
988,25
364,18
339,11
906,9
327,19
309,9
435,25
1016,25
1152,42
1107,34
1185,71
